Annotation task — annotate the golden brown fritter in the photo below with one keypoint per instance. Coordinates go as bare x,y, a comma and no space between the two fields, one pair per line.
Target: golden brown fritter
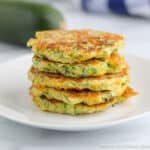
76,97
94,67
100,83
69,46
55,106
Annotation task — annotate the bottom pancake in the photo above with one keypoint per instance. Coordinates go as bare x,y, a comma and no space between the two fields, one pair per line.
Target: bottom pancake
63,108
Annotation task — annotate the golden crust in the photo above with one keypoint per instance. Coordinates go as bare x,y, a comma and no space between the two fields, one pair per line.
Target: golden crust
53,105
92,67
99,83
66,40
59,107
61,78
113,59
129,92
84,93
74,96
73,93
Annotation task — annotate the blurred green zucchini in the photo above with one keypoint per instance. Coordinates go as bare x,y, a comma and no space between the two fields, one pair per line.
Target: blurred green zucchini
19,20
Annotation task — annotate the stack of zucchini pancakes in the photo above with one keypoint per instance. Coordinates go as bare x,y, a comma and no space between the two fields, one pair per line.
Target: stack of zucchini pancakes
78,71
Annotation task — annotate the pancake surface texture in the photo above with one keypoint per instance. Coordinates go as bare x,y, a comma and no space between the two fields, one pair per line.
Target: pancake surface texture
75,45
100,83
63,108
75,97
94,67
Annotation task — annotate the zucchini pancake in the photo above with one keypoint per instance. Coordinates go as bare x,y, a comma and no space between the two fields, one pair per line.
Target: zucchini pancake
70,46
99,83
78,71
94,67
74,97
53,105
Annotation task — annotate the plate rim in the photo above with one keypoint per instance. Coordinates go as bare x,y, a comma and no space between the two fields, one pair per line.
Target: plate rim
81,127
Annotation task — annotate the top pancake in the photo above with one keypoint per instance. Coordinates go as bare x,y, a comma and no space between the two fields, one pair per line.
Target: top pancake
71,46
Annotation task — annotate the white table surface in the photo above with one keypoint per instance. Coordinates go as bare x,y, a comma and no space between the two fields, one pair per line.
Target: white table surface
132,135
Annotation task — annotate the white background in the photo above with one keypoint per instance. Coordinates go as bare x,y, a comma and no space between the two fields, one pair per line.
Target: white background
14,136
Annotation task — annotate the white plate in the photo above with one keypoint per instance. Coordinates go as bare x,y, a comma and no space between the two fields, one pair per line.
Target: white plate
16,104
